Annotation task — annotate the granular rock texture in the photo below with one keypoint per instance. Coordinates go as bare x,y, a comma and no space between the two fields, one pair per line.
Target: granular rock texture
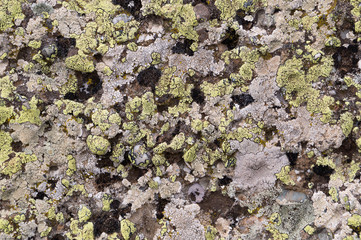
180,119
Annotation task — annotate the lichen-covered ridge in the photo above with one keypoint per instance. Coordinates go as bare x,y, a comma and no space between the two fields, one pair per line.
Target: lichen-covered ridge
180,119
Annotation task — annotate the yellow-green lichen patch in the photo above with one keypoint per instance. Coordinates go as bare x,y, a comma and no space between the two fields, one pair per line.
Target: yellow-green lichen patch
354,222
333,42
346,122
294,80
100,118
284,176
71,165
76,233
310,230
190,154
71,86
220,88
158,159
79,63
229,8
10,11
84,214
5,226
325,161
6,88
177,141
211,233
71,107
182,16
5,147
31,114
34,44
106,200
46,232
98,145
117,153
127,229
15,164
132,46
5,114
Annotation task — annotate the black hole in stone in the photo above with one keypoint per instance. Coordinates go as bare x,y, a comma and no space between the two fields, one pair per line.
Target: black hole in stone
70,96
231,39
115,204
247,25
53,168
17,146
149,77
106,223
58,237
183,48
160,207
242,100
98,57
292,157
40,195
132,6
63,45
197,95
89,84
224,181
321,170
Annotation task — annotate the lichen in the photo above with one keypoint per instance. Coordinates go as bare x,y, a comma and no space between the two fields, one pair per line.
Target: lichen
79,63
284,176
98,145
127,228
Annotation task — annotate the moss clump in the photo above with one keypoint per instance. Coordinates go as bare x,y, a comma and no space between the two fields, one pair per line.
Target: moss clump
98,145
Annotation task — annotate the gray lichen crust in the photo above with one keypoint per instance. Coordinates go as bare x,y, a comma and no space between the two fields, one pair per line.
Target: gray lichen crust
180,119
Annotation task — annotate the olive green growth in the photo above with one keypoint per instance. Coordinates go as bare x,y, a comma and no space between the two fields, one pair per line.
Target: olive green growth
127,228
98,145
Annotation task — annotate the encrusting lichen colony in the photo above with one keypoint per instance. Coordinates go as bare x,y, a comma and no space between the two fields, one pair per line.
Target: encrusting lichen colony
180,119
